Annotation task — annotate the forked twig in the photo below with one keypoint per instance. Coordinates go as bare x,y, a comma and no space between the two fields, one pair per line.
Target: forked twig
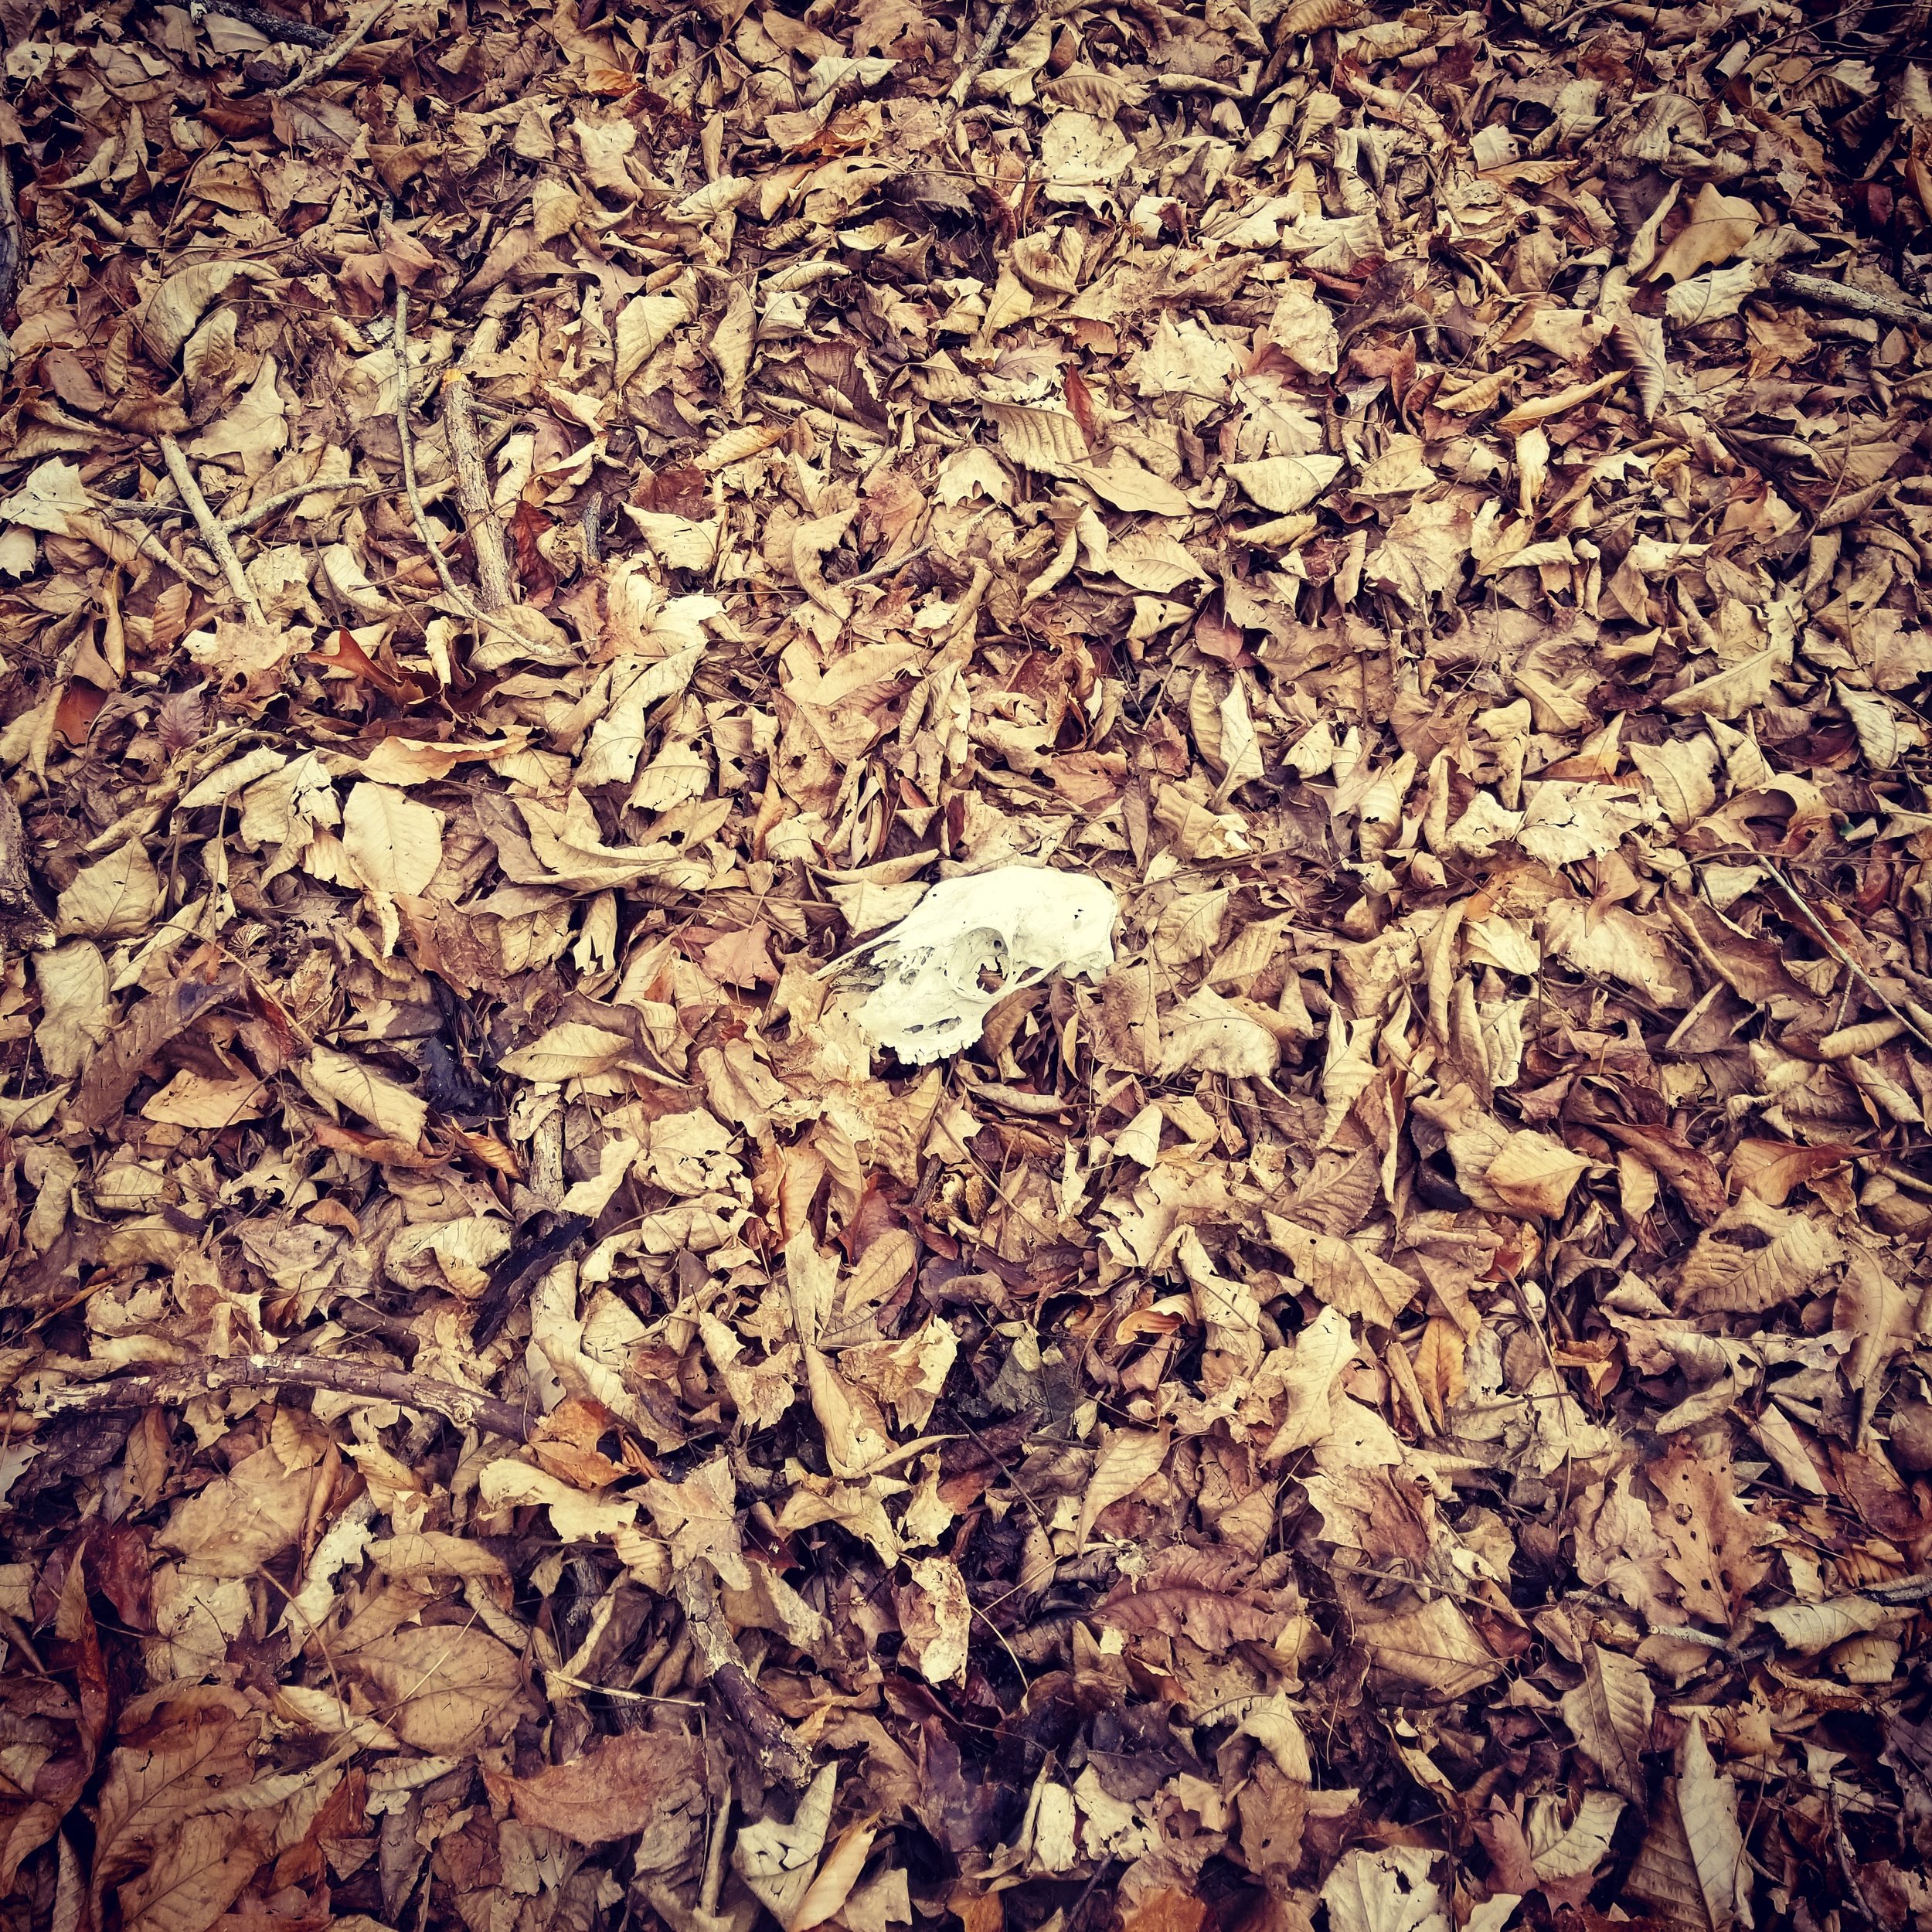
494,591
327,59
455,591
779,1753
211,533
464,1406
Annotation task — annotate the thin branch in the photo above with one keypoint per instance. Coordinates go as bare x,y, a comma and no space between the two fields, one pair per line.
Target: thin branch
350,495
277,26
779,1755
1855,302
493,590
246,519
212,533
11,246
890,567
982,55
146,544
1823,935
465,1407
331,57
454,591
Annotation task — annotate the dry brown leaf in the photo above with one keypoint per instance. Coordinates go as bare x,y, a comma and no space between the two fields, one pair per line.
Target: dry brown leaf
1693,1865
1609,1714
618,1788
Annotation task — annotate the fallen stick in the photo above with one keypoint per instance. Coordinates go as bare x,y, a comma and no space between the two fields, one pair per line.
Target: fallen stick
277,26
10,243
779,1753
494,591
885,570
212,533
982,55
106,532
454,591
246,519
463,1406
329,58
1854,301
351,495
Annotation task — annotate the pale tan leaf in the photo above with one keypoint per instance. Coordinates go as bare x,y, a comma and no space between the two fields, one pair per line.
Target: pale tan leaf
1725,694
1581,1848
1046,440
150,1789
1753,1258
167,318
1609,1714
443,1687
1210,1034
114,897
1148,559
199,1869
1692,1865
1191,927
1343,1275
1436,1647
394,842
1320,1353
1533,1174
938,1620
1285,483
1719,228
646,322
1128,487
76,1013
391,1108
1808,1628
195,1100
572,1050
777,1860
1127,1458
1679,771
1388,1889
826,1896
619,1785
234,1524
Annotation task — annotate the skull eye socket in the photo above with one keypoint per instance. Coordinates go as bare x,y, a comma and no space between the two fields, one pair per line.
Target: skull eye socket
978,964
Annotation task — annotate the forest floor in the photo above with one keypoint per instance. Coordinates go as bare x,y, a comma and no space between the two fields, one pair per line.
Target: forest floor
1336,1333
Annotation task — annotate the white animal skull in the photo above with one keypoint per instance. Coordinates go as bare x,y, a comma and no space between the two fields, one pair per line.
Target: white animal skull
931,980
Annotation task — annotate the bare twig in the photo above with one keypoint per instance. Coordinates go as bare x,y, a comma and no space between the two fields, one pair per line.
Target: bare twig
106,532
126,512
451,588
1823,935
329,58
1854,301
248,519
212,533
277,26
779,1753
494,591
982,55
10,244
463,1406
886,570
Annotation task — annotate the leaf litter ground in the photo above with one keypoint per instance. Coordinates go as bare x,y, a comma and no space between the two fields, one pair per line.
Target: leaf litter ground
1400,1403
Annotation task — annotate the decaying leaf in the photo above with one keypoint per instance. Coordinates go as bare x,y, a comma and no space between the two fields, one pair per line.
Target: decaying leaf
620,1787
965,965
